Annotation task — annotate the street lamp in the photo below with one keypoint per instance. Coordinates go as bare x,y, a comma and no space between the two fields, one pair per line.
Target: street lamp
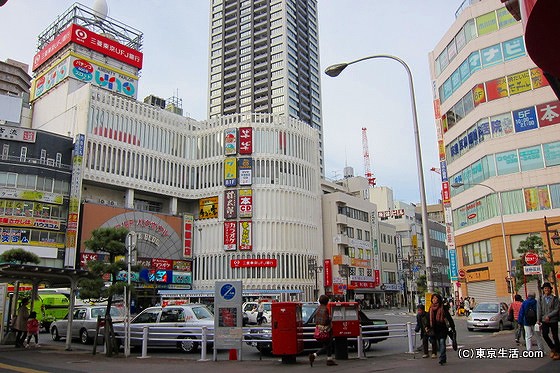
501,211
556,240
335,70
131,240
314,269
344,271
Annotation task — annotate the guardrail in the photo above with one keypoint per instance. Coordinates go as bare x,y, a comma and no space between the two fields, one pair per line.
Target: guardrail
204,336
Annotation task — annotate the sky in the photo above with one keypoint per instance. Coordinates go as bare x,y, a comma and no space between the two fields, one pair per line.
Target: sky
372,94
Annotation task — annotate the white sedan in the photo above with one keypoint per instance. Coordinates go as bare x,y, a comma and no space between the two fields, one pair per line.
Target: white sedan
84,323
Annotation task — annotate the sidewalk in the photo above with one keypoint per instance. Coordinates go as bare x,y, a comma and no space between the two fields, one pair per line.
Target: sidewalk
56,359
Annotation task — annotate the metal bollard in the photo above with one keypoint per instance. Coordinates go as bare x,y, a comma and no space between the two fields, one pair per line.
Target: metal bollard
410,336
145,342
204,343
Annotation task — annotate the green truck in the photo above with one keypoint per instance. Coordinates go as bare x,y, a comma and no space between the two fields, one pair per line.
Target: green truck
50,307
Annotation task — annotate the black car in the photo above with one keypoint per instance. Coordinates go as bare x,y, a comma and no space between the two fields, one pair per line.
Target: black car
308,310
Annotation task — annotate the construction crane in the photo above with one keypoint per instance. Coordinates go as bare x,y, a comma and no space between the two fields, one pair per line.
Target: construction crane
367,168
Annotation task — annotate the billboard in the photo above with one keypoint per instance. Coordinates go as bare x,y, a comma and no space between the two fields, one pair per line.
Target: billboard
188,222
245,140
246,235
230,204
208,208
230,171
230,236
89,39
245,203
230,141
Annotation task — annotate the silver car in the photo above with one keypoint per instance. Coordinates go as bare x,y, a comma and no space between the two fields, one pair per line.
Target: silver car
489,315
166,323
84,323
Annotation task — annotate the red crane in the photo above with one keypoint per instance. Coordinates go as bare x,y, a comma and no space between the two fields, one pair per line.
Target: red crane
367,169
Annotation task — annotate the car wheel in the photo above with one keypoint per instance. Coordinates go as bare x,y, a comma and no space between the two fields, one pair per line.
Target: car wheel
264,350
366,343
187,344
470,329
47,326
84,338
501,326
54,334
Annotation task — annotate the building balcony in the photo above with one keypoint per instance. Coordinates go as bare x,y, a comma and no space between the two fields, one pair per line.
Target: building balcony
342,219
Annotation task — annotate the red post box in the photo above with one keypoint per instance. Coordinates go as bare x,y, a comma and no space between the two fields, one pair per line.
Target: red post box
287,330
345,319
345,323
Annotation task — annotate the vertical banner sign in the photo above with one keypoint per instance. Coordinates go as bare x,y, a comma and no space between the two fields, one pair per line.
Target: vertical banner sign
245,167
453,269
230,204
228,317
245,140
230,171
246,235
230,141
245,203
188,222
327,270
230,235
75,198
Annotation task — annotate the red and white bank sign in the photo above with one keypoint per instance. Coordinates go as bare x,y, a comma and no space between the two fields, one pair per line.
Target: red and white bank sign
91,40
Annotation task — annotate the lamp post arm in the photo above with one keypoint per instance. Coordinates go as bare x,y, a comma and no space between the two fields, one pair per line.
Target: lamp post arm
424,207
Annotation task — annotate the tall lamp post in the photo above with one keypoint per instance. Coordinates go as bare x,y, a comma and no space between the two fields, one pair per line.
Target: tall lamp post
556,239
335,70
131,240
315,270
501,211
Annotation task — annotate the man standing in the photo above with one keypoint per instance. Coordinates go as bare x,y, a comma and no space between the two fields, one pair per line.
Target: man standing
548,320
528,318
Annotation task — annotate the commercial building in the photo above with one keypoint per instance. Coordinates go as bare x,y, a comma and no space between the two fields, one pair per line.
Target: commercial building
496,119
264,58
235,197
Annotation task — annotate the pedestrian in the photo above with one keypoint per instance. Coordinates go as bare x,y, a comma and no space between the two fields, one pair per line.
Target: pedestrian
548,320
323,322
441,324
20,324
452,306
260,312
423,326
467,306
32,329
514,307
528,318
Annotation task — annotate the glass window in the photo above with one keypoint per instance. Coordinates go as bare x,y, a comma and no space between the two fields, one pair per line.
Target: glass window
555,195
551,154
501,124
537,198
507,162
531,158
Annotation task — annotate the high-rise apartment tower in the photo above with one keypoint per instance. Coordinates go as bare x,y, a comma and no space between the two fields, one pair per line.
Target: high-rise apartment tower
264,58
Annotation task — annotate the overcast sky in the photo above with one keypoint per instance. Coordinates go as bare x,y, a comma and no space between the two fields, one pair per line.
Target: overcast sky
372,94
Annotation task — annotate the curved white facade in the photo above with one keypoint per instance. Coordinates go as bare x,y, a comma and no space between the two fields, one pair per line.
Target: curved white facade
137,149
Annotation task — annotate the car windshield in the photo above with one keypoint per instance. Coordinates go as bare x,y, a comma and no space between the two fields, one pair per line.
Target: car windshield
201,312
486,308
307,311
100,311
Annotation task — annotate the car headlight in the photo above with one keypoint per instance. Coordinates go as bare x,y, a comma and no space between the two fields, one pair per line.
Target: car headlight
495,318
469,318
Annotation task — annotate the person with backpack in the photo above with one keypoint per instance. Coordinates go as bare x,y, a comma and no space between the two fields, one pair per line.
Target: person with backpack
528,318
548,320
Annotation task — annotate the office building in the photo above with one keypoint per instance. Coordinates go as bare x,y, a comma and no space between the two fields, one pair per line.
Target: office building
496,120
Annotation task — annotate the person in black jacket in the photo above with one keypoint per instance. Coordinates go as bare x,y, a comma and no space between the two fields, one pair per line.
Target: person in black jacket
442,324
423,326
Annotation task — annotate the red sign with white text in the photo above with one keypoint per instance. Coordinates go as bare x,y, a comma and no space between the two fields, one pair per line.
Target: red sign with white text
246,263
327,270
158,263
91,40
230,235
245,140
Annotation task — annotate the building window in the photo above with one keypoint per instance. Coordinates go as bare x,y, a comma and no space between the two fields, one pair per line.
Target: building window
477,252
23,154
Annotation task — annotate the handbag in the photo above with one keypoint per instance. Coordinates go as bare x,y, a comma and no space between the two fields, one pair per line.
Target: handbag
322,333
431,332
510,315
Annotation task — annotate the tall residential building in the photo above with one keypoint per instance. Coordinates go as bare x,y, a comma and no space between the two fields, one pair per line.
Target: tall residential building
496,117
264,58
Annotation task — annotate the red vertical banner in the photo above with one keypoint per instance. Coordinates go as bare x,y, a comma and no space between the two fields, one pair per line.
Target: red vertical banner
230,236
377,277
188,221
327,271
246,235
445,192
245,140
245,203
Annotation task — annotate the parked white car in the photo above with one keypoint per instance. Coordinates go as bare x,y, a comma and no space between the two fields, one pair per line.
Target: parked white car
84,322
250,309
166,323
